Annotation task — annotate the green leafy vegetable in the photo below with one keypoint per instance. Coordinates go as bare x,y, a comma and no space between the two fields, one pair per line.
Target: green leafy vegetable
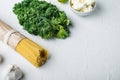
42,18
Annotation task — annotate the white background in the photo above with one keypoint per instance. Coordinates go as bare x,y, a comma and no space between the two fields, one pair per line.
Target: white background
92,52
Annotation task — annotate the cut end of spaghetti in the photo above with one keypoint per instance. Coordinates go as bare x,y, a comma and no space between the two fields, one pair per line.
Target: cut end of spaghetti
43,56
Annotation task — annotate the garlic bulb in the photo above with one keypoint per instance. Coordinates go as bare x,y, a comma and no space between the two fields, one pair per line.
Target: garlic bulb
14,73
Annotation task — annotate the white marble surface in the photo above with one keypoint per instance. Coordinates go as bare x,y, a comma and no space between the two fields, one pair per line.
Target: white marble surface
92,52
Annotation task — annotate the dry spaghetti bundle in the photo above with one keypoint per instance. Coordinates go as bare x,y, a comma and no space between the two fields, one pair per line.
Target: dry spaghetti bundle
33,52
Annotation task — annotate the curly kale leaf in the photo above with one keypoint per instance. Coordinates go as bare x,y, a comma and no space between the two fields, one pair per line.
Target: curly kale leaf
42,18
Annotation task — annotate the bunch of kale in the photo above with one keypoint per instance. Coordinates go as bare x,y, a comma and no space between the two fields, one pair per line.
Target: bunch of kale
42,18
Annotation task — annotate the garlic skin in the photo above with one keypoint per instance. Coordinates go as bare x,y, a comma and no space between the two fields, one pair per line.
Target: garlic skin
14,73
1,59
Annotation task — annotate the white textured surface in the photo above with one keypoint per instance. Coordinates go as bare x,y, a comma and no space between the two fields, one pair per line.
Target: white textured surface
92,52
